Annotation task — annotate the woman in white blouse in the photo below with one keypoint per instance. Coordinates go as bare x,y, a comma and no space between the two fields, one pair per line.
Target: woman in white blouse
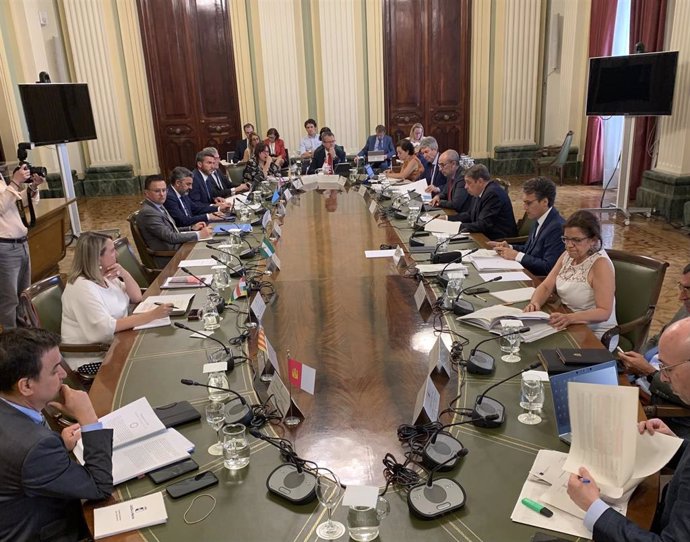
98,293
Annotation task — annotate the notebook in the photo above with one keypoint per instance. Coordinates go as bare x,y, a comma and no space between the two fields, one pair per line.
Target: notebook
603,373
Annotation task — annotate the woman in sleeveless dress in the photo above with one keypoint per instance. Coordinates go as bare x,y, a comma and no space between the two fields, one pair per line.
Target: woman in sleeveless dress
583,278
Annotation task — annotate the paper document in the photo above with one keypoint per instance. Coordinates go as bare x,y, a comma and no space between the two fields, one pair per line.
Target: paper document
510,276
442,226
514,296
207,262
183,281
430,268
132,422
380,253
180,303
495,264
606,441
160,322
490,317
129,515
419,187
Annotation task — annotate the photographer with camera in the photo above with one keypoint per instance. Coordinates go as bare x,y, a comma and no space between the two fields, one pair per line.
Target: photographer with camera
15,271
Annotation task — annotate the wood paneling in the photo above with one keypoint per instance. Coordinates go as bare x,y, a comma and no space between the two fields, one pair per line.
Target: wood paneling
191,71
427,67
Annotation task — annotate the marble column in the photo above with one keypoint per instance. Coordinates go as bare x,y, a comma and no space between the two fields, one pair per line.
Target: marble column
516,72
480,88
666,188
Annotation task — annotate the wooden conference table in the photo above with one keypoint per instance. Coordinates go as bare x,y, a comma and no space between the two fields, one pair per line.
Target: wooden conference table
354,320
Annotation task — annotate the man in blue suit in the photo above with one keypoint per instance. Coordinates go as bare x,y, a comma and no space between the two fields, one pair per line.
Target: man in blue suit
181,208
207,188
544,245
435,179
491,212
379,142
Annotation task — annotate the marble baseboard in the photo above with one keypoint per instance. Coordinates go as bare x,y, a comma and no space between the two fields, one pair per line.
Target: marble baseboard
113,180
517,160
664,192
53,186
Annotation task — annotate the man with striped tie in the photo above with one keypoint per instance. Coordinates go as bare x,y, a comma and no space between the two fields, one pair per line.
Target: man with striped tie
544,245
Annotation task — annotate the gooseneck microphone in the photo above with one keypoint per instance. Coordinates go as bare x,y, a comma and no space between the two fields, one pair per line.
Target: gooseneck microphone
482,363
462,306
435,498
234,413
289,481
443,451
233,271
231,358
490,413
446,257
201,281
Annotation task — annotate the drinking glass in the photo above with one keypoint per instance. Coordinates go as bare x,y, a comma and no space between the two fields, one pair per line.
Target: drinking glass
511,342
210,315
224,250
221,279
255,197
363,521
244,212
443,242
413,210
235,242
215,416
453,289
537,404
328,491
235,447
531,390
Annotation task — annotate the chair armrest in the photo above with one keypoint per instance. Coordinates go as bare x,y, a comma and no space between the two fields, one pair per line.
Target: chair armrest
91,347
666,410
621,329
162,253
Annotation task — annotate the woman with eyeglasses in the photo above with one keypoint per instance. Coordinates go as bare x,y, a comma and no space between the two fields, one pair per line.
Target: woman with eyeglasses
276,147
260,167
583,278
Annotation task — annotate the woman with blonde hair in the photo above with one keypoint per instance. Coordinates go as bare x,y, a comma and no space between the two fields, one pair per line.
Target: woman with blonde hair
254,140
98,293
416,135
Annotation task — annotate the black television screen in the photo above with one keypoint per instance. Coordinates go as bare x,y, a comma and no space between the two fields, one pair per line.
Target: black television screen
639,84
57,112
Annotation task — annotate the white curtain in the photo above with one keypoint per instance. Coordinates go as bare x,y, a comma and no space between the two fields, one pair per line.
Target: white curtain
613,126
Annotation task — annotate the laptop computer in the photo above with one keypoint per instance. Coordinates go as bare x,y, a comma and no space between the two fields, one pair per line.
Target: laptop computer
603,373
376,157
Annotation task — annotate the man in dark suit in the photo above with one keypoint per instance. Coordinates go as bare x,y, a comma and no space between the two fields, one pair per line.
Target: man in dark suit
219,183
491,212
453,195
181,208
435,179
157,226
327,155
242,144
40,486
544,245
379,142
672,518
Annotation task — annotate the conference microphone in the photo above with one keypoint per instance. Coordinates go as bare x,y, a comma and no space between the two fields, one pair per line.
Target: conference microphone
221,304
490,413
442,278
446,257
462,306
482,363
230,359
234,413
443,451
434,498
250,252
289,481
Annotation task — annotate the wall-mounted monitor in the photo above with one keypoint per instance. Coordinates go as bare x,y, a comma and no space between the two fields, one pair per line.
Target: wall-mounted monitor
57,112
639,85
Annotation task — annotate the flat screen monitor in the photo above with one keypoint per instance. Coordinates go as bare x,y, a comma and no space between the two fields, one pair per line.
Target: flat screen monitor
640,85
57,112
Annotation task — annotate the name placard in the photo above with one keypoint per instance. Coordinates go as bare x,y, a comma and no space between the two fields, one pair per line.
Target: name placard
426,405
439,357
258,306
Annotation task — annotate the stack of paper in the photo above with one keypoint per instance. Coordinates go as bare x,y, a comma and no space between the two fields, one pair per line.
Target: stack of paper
141,443
489,317
495,264
180,303
514,296
180,282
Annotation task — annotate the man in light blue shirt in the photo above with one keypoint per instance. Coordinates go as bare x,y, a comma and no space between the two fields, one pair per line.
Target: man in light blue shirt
309,143
672,518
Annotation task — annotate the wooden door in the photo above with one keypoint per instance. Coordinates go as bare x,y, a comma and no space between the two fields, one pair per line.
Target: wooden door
191,74
427,69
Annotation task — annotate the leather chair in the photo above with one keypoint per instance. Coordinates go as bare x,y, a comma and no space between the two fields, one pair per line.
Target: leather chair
554,157
638,284
126,258
42,304
235,173
145,253
524,226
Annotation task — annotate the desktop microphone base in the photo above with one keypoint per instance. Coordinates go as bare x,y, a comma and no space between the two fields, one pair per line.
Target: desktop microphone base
441,451
248,253
446,257
293,486
236,412
462,307
488,407
442,497
480,363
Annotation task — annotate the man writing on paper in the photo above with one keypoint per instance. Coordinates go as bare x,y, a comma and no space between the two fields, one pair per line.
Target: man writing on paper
544,245
40,486
672,518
